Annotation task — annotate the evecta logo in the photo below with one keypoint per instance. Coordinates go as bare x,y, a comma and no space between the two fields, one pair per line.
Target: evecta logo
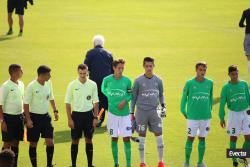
238,153
201,96
117,92
150,92
238,97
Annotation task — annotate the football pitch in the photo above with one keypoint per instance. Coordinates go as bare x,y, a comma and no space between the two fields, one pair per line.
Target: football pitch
177,34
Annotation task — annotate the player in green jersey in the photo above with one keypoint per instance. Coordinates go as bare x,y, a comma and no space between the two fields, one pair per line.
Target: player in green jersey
196,106
235,94
117,88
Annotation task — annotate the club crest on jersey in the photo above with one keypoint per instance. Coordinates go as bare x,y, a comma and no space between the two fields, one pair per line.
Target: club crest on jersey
207,128
129,128
249,126
88,97
12,90
37,91
47,97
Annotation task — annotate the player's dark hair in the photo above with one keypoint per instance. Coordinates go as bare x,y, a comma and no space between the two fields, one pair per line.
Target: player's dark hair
43,69
232,68
14,68
7,158
82,67
201,63
118,61
148,59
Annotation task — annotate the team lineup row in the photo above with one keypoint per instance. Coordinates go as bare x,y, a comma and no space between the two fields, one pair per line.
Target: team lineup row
145,96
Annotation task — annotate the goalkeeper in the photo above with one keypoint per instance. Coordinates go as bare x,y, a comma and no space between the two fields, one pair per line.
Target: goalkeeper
147,95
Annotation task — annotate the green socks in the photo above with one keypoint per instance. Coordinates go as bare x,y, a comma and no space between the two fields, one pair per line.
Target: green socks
246,144
188,150
127,149
201,150
233,146
114,145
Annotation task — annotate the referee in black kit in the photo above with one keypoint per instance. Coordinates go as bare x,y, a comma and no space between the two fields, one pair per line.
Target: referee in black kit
246,18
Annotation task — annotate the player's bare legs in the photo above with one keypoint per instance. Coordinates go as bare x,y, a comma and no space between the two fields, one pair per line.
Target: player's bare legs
21,24
248,63
10,22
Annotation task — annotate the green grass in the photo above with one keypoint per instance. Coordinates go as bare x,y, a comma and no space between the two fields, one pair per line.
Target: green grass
177,33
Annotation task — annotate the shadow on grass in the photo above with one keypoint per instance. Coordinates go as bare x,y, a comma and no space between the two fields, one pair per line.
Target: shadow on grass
7,37
65,136
216,100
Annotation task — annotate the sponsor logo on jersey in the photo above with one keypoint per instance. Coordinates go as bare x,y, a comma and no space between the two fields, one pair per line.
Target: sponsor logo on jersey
150,93
238,97
128,128
201,96
117,92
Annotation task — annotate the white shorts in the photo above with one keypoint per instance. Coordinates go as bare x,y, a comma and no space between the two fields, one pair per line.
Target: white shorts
119,125
238,123
198,128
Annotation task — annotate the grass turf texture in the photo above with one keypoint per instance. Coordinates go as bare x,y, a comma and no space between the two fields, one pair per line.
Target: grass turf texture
176,33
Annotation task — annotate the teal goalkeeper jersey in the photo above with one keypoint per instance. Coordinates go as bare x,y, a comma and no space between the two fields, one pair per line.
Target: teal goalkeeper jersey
197,99
117,91
236,96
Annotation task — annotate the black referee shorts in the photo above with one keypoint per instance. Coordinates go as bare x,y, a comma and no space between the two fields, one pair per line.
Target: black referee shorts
15,128
83,123
17,5
41,126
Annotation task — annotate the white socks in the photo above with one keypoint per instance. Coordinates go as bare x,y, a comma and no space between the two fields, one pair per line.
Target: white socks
142,148
160,147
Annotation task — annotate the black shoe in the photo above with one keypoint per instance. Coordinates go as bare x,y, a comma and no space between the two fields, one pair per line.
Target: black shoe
235,164
10,32
52,165
116,165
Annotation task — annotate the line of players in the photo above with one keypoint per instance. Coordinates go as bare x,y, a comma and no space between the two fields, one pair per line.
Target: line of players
145,95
